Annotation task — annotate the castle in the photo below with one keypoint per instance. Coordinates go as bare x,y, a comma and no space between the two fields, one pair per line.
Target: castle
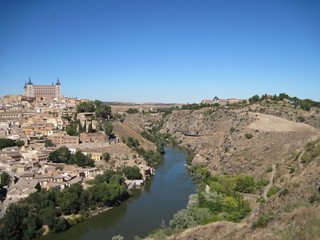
48,91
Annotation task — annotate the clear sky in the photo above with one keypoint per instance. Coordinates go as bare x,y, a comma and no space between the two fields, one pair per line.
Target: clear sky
162,50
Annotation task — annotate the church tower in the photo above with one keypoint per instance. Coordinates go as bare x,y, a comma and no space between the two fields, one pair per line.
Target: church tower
58,89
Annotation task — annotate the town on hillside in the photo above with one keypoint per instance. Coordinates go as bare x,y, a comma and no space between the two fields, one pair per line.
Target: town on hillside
41,125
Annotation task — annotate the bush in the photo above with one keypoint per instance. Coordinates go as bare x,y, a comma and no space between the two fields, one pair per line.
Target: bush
106,156
263,182
132,111
189,217
269,169
248,135
263,220
189,159
245,184
273,190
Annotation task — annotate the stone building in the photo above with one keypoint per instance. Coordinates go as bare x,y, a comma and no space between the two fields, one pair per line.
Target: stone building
47,91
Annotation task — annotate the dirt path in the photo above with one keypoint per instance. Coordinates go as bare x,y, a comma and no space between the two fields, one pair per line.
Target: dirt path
299,159
267,188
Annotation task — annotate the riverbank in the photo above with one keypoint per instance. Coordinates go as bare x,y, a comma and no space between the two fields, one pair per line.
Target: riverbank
157,200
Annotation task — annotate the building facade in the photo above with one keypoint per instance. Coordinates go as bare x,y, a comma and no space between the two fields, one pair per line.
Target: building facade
47,91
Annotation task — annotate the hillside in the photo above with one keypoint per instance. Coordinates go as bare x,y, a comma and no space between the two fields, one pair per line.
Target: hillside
225,147
275,146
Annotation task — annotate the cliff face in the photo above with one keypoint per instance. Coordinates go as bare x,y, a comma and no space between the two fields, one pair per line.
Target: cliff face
238,142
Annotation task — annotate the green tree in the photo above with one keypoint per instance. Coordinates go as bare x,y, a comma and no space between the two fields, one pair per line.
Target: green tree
49,143
4,179
132,110
72,131
102,110
83,160
6,143
85,107
245,184
306,104
132,172
108,128
254,99
106,156
80,129
19,143
90,128
61,155
85,126
13,226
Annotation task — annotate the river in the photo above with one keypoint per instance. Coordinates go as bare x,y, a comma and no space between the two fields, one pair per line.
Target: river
156,201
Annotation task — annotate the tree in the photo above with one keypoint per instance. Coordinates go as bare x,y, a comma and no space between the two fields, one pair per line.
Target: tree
49,143
108,128
19,143
132,172
132,110
102,110
90,129
13,222
62,155
80,129
306,104
72,131
85,107
83,160
245,184
4,179
6,143
106,156
85,126
254,99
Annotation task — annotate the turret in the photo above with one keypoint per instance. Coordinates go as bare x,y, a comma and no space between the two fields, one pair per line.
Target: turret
58,82
30,83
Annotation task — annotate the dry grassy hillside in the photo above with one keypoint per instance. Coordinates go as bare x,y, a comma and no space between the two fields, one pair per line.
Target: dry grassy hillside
131,129
274,142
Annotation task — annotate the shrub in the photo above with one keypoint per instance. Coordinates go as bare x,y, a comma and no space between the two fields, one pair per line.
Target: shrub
263,182
273,190
245,184
263,220
269,169
189,217
284,192
189,159
248,135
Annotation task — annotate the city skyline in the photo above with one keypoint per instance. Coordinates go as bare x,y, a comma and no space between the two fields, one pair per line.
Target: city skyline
162,51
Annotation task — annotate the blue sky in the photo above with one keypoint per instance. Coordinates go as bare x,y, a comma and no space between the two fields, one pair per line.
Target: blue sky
162,50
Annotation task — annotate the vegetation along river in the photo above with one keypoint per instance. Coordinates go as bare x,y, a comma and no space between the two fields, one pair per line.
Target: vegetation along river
156,201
